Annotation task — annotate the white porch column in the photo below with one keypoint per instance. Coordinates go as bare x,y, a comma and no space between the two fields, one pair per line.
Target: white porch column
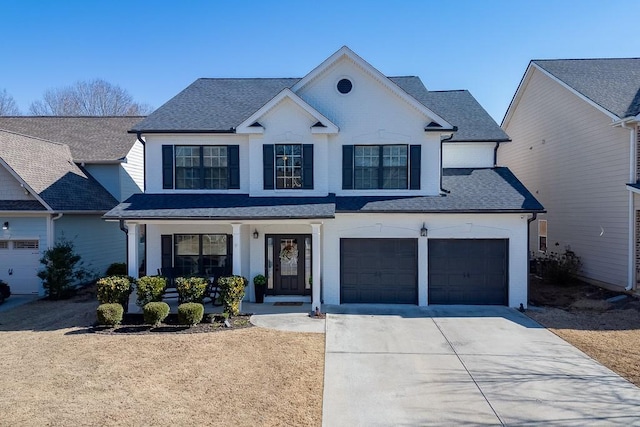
316,267
132,250
237,249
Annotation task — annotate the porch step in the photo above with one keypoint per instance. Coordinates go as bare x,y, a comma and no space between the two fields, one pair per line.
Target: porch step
287,298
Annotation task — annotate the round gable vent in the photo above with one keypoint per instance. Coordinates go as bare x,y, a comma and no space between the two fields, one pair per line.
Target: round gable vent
344,86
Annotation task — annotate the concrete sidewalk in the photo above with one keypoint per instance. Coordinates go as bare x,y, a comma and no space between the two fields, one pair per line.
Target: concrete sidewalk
463,365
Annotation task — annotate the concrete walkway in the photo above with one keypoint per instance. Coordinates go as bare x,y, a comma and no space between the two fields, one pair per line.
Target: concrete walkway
406,366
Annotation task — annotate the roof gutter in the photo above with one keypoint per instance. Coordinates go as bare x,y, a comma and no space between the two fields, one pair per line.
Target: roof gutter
138,132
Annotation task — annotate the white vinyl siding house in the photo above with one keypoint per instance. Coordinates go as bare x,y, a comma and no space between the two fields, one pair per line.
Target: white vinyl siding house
344,187
568,151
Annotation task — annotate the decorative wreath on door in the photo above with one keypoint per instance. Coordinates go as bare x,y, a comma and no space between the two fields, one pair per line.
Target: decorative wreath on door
289,254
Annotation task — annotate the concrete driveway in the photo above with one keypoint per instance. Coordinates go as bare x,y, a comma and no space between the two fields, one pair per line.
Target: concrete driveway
405,366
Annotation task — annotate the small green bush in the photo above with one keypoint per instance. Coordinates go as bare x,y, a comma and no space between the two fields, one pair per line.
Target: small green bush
155,312
117,269
191,289
149,289
190,313
559,268
110,314
62,269
114,289
232,291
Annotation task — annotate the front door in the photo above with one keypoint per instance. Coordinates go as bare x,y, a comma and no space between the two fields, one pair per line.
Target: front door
289,258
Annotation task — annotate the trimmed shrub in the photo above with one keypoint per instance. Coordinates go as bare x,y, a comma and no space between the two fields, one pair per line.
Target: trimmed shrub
117,269
62,269
191,289
114,289
110,314
149,289
559,268
190,313
155,312
231,292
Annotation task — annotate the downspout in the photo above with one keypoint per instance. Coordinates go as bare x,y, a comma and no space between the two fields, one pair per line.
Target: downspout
126,239
495,154
52,230
442,141
534,215
144,162
632,179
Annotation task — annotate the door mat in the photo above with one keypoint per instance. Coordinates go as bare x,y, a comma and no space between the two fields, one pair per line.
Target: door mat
287,303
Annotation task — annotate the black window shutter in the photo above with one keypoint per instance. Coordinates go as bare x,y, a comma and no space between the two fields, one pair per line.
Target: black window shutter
167,166
233,166
268,174
166,247
347,167
414,161
307,166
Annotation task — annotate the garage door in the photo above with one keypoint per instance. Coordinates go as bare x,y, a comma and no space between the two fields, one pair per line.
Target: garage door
19,265
379,271
468,271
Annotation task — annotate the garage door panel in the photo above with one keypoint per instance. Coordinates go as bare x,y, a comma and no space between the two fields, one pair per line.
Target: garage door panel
385,271
468,271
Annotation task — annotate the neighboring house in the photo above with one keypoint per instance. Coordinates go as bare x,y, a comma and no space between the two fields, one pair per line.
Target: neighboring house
332,185
53,190
574,125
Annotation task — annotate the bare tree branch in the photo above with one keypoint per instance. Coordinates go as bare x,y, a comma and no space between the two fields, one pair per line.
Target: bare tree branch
8,106
88,98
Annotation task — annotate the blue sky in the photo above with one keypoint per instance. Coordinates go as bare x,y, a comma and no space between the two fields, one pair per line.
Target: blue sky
155,48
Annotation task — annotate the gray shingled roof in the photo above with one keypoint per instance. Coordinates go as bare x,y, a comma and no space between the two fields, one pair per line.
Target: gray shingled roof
614,84
218,105
48,168
91,139
222,206
471,190
21,205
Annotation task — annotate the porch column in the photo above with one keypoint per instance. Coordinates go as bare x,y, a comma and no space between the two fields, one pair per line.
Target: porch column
132,250
316,267
237,249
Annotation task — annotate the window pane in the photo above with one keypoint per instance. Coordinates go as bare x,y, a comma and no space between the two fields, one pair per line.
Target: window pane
288,166
366,159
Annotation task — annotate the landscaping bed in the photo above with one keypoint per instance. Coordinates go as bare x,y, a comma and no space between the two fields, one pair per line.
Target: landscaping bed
602,323
134,324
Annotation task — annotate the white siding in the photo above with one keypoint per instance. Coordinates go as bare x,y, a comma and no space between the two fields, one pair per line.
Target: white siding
98,242
10,188
569,156
132,172
468,154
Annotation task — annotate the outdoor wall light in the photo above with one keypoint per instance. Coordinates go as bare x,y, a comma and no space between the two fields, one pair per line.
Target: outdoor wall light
423,230
5,226
256,234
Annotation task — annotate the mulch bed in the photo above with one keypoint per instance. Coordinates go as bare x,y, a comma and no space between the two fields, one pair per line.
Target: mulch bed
133,324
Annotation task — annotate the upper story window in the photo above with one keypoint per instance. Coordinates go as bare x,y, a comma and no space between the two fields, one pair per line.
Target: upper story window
201,167
381,167
287,166
388,167
209,167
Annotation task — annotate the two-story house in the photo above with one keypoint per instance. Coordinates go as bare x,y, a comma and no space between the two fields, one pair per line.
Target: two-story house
574,124
333,186
59,176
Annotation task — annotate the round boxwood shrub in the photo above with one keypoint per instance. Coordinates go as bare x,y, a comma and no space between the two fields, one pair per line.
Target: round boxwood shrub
155,312
110,314
191,289
114,289
150,288
190,313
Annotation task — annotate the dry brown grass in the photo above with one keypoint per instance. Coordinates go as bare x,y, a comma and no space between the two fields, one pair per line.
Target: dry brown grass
54,373
607,333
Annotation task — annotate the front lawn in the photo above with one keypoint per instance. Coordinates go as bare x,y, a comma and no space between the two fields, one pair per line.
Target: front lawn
54,372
